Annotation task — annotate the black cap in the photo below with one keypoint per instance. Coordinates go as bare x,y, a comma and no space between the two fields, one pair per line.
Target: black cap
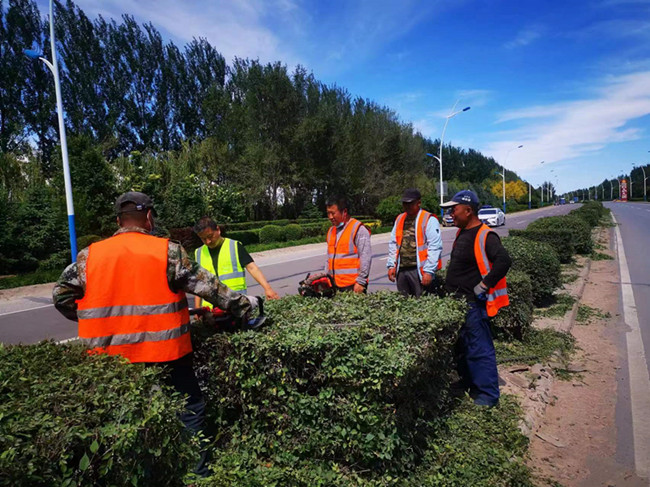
410,195
141,201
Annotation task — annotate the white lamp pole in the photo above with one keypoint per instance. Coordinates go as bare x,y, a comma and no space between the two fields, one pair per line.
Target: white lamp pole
645,179
504,175
529,197
452,114
54,67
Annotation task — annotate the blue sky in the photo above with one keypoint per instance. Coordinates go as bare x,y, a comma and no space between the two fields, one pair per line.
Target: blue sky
568,79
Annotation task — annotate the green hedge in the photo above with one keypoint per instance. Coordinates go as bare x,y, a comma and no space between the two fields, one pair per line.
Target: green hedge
591,212
515,320
247,237
68,418
349,380
293,231
561,239
272,233
579,228
539,261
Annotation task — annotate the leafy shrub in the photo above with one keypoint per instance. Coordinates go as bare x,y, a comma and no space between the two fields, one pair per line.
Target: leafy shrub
57,261
591,212
514,320
69,418
561,239
580,230
85,240
247,237
389,208
271,233
539,261
293,231
348,380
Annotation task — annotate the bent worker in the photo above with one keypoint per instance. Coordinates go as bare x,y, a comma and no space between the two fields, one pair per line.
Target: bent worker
415,247
128,294
227,259
349,254
477,272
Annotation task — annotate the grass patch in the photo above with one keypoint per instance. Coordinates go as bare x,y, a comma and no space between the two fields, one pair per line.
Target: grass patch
38,277
563,304
537,346
586,314
600,256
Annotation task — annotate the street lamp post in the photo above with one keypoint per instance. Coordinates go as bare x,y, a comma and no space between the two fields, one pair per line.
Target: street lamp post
611,190
54,67
645,179
542,193
529,197
452,114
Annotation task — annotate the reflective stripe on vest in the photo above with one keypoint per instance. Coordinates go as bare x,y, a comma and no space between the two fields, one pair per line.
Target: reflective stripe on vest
422,246
498,295
229,270
128,308
343,256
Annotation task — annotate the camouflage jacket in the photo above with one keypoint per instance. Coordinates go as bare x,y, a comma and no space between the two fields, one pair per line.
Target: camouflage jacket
182,275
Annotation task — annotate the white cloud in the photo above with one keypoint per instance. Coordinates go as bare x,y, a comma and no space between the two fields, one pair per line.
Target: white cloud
524,37
569,130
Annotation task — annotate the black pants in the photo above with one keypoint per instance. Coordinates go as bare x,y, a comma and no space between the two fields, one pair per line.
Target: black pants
179,374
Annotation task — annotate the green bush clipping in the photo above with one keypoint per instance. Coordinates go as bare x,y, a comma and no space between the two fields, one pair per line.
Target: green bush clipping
293,231
351,380
580,229
272,233
539,261
69,418
561,239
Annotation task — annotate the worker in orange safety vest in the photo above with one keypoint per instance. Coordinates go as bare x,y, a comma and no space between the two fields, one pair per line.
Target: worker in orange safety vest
128,294
415,247
477,273
349,254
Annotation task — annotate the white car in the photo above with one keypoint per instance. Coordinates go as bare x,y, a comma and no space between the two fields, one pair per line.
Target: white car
492,217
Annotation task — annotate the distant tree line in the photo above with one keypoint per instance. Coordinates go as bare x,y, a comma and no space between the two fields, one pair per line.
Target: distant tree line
244,141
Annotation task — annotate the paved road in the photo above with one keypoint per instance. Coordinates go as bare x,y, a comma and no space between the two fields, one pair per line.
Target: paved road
33,318
633,392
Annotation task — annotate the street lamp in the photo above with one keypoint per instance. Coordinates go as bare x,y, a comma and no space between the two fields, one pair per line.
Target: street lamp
645,179
452,114
611,190
529,197
54,67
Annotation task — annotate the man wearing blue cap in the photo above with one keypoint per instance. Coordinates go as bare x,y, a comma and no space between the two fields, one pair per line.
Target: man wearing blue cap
477,269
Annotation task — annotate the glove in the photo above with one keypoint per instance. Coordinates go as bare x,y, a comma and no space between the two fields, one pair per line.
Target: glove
480,291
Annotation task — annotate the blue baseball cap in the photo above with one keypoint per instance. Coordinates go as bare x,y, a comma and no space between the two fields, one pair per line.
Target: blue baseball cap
464,197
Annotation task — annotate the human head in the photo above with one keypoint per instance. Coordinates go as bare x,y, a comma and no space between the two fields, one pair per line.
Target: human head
463,208
338,210
135,209
411,201
208,231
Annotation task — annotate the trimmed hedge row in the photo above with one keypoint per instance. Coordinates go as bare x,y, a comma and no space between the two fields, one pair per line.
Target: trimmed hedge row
69,418
279,233
591,212
580,230
540,262
561,239
256,225
351,380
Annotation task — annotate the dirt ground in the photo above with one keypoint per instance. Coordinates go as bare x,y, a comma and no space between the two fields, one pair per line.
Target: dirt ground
37,290
574,444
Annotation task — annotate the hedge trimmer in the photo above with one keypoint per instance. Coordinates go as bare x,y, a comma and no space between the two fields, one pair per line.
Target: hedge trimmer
319,285
225,322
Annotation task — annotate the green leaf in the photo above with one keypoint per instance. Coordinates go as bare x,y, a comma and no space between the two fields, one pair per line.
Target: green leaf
94,447
84,463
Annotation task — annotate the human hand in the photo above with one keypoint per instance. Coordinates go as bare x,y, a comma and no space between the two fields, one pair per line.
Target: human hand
358,288
271,294
391,274
479,291
426,279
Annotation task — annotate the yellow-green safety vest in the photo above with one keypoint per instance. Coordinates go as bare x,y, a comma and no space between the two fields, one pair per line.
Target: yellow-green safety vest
229,270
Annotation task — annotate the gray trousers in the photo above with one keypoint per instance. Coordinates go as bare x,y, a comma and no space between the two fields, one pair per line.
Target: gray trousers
408,282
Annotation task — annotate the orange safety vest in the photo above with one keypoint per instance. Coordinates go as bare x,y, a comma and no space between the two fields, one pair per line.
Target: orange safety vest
343,256
497,295
128,308
420,238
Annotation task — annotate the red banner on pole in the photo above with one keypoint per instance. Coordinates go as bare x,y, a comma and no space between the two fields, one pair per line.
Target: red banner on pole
624,190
